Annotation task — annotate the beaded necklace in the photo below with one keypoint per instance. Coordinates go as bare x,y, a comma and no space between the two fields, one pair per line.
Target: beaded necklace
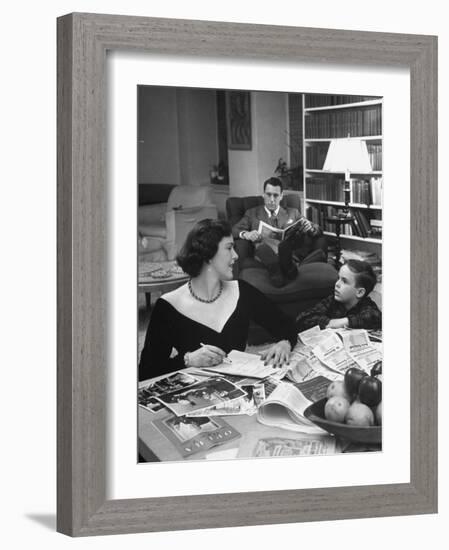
215,298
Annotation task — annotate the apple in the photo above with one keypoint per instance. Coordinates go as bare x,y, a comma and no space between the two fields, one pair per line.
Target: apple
352,379
359,415
370,391
336,408
337,389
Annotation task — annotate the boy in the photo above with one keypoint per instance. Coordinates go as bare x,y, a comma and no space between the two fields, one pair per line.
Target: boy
349,306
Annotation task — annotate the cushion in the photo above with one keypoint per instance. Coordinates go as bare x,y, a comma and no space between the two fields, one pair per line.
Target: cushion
188,196
315,280
157,230
151,213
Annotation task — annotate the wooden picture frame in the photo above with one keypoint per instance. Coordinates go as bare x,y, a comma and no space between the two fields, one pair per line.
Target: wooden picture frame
83,40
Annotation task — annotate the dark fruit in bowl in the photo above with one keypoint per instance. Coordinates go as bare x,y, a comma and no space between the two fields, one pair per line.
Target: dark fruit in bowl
376,369
353,376
370,391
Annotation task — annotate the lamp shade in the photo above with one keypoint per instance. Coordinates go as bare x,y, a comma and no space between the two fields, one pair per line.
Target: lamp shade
347,155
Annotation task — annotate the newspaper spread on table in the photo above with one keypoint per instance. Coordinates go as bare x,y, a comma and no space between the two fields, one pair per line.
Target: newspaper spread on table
359,346
331,352
240,363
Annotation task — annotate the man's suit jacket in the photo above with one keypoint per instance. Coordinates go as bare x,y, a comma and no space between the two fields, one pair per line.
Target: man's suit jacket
253,216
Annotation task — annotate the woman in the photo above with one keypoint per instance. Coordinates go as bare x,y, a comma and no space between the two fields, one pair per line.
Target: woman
209,316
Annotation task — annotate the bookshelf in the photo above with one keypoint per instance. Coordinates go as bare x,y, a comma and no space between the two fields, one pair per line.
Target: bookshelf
339,117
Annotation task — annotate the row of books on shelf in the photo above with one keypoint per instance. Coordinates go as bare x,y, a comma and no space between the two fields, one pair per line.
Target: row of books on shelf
375,155
316,154
367,192
361,121
362,225
331,188
326,100
326,188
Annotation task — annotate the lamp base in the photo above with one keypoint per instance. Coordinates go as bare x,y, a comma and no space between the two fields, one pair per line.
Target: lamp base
343,214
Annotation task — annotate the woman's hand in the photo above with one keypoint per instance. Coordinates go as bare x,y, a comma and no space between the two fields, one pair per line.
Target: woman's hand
278,354
206,356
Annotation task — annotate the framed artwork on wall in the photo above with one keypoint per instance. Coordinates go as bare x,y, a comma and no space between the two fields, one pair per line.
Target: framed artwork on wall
238,105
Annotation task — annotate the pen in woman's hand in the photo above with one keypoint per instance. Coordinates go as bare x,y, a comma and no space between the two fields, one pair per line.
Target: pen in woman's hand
213,348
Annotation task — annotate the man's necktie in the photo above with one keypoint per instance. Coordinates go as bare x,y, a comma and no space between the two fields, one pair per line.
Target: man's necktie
273,220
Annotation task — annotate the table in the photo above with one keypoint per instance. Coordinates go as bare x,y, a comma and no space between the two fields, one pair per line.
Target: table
159,277
153,445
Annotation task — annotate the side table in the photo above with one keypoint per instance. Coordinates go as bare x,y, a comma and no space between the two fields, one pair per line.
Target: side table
159,277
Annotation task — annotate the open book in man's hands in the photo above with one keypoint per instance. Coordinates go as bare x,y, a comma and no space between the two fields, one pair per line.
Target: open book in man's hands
267,231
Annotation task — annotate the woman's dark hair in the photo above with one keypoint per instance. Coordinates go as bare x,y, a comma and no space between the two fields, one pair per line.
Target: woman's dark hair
201,245
364,274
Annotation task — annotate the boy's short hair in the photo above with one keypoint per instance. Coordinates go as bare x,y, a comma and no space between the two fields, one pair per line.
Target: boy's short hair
364,274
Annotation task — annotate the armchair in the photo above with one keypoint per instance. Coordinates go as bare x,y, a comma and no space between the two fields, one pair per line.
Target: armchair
163,227
315,280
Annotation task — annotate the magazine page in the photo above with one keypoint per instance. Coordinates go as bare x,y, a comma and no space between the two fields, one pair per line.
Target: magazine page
193,435
284,408
293,228
203,395
248,404
267,231
315,388
305,446
240,363
148,393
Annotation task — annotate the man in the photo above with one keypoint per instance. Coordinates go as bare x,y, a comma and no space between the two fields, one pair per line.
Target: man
305,242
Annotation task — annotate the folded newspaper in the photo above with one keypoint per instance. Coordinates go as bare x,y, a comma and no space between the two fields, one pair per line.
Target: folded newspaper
284,408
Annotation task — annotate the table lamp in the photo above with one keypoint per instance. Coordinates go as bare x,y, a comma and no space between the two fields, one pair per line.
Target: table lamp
347,155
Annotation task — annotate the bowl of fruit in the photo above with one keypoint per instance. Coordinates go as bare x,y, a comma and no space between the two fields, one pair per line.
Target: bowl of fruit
352,408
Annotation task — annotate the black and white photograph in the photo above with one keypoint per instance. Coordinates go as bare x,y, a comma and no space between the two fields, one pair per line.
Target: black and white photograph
125,126
259,242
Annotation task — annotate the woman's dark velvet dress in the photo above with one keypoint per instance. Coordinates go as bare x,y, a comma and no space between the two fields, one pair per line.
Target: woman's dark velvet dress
168,328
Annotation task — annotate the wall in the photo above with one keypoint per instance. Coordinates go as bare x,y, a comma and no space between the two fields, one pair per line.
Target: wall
177,135
197,125
158,144
249,169
28,322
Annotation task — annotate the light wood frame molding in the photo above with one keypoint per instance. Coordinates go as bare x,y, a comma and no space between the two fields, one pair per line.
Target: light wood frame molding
83,40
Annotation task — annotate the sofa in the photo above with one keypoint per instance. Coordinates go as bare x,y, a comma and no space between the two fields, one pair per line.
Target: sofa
314,280
166,214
